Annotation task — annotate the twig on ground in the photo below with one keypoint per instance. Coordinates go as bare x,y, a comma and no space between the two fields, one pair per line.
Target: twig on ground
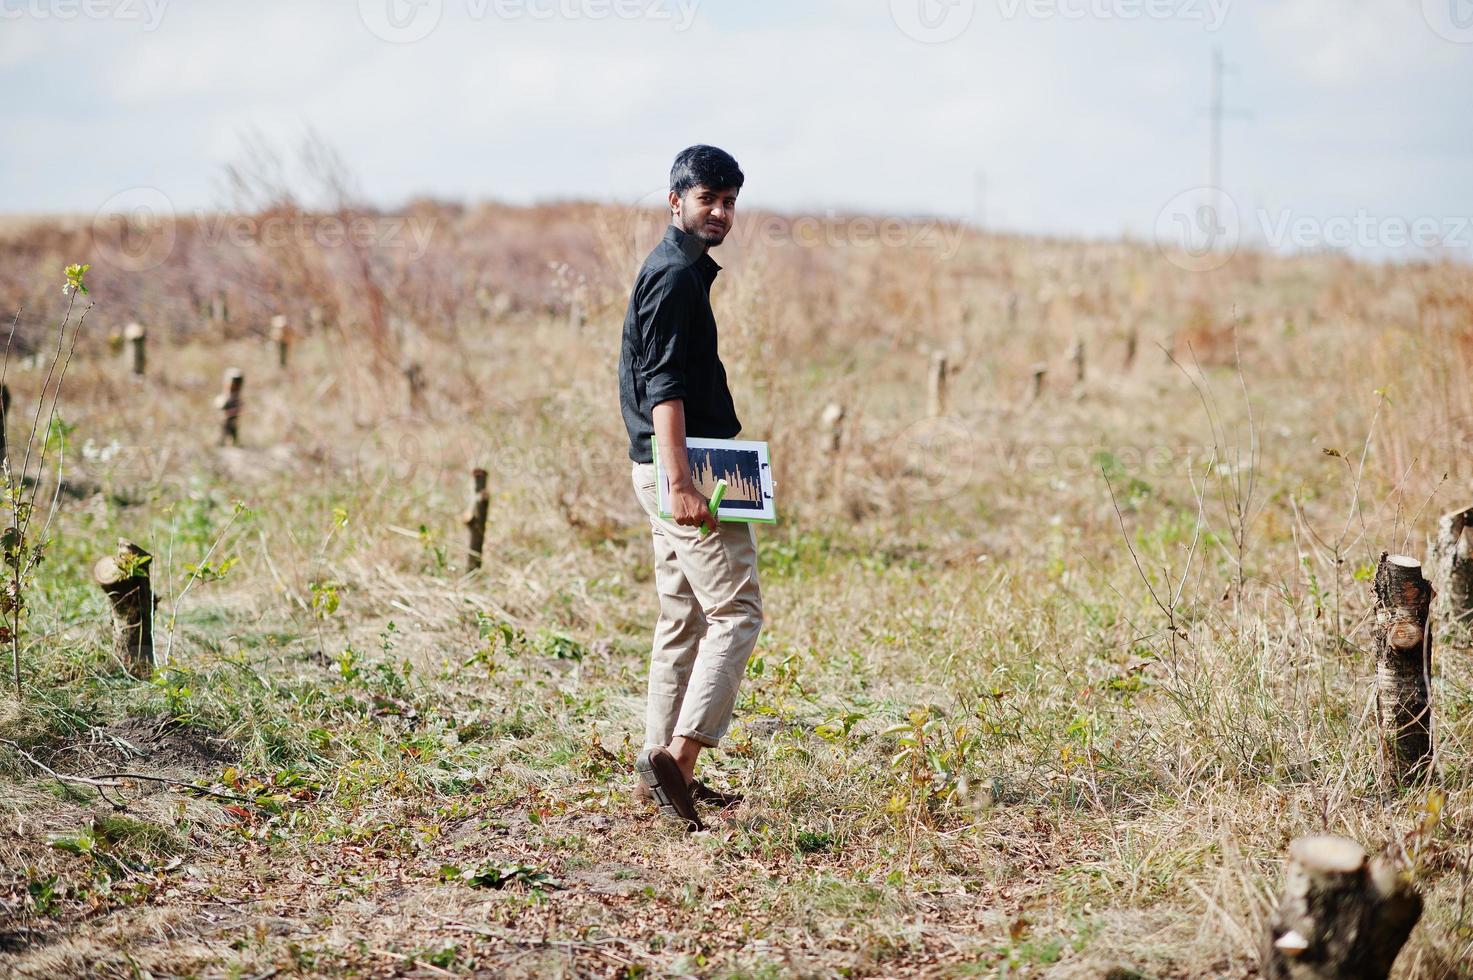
110,780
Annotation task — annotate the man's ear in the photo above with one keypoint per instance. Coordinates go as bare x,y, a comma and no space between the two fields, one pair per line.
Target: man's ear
674,203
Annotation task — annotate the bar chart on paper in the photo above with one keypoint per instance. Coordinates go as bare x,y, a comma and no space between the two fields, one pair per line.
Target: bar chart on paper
745,467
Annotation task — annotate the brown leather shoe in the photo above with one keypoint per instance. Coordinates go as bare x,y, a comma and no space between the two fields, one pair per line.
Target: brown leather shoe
659,771
699,793
702,793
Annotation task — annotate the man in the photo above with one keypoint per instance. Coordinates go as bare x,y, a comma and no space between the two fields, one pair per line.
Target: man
672,384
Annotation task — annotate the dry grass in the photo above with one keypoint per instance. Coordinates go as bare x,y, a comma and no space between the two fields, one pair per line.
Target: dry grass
1092,791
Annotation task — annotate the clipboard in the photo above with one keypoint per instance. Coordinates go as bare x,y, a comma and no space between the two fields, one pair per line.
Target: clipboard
745,466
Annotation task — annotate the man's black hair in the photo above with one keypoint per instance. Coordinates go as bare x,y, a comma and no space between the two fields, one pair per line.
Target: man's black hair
706,165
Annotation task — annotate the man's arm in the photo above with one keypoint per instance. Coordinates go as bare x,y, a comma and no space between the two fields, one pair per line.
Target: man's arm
688,505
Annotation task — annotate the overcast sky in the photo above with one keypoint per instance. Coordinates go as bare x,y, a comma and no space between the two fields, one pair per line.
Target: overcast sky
1076,116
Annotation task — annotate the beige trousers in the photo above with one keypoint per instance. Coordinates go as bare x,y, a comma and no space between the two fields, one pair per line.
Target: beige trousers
710,615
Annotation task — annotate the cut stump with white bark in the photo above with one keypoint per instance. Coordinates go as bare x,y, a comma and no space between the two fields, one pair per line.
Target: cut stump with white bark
123,577
1452,566
936,386
137,337
475,518
229,403
1339,916
1403,666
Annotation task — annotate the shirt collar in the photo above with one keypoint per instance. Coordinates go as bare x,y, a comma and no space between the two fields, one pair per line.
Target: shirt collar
691,247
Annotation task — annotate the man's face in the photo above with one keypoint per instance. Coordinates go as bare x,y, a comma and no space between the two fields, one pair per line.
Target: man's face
705,213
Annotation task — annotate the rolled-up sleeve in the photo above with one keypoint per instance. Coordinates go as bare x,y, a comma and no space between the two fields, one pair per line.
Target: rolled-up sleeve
664,316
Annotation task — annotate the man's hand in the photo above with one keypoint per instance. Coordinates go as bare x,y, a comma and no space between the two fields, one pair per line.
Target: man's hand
690,507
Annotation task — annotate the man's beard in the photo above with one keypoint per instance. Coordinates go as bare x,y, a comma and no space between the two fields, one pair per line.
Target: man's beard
700,233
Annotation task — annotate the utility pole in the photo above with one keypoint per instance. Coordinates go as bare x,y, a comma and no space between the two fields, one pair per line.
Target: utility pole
1214,171
1218,113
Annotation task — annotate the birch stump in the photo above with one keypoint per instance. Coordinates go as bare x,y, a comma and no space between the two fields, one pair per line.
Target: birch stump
1339,917
475,517
833,429
124,578
282,335
833,445
1452,565
1403,666
936,386
137,338
229,403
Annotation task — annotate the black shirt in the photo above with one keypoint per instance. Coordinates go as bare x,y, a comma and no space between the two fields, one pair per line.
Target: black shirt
669,348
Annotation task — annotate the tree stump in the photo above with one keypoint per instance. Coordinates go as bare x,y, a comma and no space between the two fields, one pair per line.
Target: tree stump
414,378
1452,565
1403,665
833,429
229,403
282,335
137,338
936,386
475,517
1076,358
124,578
1338,918
1039,372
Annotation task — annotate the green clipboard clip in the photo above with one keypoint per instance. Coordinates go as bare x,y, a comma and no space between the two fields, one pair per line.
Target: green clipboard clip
717,495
